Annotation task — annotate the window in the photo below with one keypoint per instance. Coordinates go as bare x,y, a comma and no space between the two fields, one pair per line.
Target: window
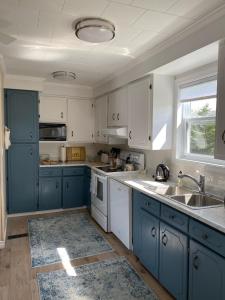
198,117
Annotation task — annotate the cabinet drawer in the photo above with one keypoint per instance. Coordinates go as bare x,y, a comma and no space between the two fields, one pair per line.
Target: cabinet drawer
208,236
73,171
147,203
174,218
50,171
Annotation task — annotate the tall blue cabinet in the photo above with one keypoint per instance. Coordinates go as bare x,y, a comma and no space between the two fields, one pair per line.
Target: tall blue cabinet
23,155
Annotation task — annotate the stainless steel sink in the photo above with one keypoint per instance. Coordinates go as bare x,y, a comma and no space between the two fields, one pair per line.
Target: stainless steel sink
197,200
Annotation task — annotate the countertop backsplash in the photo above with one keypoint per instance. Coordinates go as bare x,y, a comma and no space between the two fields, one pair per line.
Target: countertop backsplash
53,150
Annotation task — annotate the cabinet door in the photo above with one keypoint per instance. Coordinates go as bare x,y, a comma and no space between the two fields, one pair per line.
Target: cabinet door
73,191
112,109
145,235
139,114
149,242
101,106
118,108
53,109
22,115
80,121
206,274
173,259
87,189
120,211
50,192
22,178
136,222
220,122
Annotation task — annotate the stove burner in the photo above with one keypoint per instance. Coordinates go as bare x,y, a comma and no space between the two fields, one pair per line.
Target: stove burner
109,169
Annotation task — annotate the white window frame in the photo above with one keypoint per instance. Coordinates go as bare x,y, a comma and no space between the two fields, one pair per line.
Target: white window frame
180,128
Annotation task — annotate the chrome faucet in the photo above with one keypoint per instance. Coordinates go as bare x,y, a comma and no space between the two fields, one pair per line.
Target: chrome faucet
200,183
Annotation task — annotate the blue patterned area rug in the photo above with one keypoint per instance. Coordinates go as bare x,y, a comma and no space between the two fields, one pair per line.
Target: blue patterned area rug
113,279
63,238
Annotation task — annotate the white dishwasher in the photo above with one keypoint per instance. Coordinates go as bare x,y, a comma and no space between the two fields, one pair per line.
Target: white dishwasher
120,211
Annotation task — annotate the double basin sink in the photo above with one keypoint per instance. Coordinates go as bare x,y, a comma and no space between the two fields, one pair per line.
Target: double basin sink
193,200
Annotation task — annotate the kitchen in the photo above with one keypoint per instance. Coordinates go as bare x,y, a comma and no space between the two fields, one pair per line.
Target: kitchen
112,149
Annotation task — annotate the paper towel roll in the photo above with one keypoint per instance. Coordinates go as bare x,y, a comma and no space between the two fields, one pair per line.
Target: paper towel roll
63,154
7,138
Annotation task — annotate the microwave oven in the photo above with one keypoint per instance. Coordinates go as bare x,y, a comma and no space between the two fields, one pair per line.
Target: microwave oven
52,132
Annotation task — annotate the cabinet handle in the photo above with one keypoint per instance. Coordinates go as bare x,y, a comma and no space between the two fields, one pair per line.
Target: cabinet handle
118,116
72,133
67,185
113,117
196,262
130,134
61,115
31,151
57,185
205,236
31,135
172,217
164,239
153,231
223,136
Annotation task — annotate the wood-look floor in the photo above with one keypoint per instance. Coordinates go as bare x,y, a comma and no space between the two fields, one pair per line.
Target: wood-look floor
18,279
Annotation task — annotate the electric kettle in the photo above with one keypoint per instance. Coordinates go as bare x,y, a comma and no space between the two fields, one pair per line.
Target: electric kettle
162,173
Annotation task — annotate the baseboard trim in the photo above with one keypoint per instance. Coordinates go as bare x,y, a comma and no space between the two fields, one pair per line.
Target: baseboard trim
2,244
41,212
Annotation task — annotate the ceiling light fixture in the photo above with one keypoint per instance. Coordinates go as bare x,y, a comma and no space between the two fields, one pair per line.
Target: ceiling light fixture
94,30
64,75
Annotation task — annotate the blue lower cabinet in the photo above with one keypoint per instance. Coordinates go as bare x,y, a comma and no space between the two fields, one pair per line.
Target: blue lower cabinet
73,191
145,236
206,274
173,259
87,186
149,242
22,173
136,224
50,193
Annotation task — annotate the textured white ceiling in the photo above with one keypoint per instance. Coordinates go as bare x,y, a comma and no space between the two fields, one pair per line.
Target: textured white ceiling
46,41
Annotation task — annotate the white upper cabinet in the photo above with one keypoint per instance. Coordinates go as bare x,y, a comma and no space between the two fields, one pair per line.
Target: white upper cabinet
117,109
80,121
53,109
150,110
101,109
219,152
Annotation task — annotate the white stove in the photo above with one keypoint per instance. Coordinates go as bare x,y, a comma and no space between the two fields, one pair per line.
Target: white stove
99,186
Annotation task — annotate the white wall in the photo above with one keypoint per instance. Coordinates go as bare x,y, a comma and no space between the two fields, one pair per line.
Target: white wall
53,150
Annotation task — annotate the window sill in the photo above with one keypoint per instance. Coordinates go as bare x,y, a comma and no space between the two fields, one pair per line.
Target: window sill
209,162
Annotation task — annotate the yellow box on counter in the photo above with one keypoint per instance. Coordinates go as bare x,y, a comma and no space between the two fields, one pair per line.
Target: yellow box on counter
75,153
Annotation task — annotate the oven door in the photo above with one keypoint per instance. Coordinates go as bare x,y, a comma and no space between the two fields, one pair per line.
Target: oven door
99,191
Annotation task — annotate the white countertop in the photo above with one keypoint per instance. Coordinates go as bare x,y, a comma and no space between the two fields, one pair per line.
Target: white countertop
73,164
212,216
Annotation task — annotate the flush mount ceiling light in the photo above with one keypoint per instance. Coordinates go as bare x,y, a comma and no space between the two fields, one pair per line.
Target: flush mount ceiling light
64,75
94,30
